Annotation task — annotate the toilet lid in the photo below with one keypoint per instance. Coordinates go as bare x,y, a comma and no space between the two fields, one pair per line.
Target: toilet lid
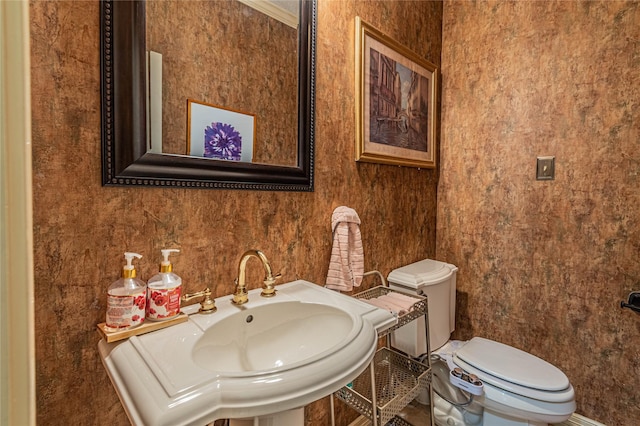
511,365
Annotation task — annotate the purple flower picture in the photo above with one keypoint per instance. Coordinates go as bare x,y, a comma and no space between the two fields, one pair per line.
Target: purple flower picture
218,133
222,142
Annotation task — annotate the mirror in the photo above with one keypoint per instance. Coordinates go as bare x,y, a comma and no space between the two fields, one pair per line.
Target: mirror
235,63
126,157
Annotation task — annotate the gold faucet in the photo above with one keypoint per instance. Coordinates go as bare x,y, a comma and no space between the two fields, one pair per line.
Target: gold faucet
207,305
241,297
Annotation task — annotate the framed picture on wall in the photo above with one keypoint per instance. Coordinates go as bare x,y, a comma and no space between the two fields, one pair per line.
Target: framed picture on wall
219,133
395,102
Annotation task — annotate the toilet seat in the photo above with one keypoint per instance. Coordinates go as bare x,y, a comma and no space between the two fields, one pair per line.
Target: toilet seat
513,370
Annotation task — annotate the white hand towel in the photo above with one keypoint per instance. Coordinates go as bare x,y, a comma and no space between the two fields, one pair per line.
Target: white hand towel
346,267
402,299
400,306
382,305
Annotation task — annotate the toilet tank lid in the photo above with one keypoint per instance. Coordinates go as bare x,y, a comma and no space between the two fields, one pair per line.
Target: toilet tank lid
423,273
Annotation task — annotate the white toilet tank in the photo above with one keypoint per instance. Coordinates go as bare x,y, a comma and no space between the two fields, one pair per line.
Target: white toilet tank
437,281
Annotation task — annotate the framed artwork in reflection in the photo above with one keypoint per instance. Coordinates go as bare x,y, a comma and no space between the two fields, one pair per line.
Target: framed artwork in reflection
219,133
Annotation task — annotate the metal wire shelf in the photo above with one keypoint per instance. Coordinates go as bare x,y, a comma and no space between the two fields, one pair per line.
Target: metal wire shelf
398,421
398,380
419,307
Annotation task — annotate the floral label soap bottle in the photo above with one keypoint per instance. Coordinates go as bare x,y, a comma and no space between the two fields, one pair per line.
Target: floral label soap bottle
126,299
163,291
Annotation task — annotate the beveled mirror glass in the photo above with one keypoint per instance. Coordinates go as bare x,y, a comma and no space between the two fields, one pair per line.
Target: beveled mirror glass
282,156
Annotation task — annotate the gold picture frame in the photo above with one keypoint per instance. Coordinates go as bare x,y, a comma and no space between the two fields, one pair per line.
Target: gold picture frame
396,101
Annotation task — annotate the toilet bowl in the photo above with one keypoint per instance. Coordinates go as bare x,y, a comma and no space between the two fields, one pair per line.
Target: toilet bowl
518,388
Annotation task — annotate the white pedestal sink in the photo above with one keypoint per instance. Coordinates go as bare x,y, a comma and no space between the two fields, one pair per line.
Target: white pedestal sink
265,357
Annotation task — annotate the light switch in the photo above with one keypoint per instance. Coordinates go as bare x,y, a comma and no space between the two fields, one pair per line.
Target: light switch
546,168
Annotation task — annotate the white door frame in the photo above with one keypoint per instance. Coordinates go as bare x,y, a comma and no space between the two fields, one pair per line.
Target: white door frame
17,342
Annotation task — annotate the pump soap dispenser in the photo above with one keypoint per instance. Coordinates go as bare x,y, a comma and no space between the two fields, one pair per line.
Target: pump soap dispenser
126,298
163,291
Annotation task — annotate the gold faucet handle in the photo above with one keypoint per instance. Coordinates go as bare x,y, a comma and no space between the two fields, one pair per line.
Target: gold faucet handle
207,305
240,297
268,289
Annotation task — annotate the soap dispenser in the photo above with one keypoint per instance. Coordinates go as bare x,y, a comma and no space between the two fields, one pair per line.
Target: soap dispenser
126,298
163,291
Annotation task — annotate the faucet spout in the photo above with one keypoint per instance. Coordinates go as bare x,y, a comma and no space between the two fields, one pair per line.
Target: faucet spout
241,297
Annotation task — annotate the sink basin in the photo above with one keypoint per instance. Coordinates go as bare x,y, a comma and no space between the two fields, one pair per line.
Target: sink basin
267,356
275,336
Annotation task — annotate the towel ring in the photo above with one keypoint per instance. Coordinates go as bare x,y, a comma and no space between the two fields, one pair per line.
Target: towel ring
374,272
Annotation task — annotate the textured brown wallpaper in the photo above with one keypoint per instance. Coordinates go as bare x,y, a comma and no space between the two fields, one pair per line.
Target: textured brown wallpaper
81,229
544,264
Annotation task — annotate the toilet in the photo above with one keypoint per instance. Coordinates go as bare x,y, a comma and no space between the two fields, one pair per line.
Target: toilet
517,388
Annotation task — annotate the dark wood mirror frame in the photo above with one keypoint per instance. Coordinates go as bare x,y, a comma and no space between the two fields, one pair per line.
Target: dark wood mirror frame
125,160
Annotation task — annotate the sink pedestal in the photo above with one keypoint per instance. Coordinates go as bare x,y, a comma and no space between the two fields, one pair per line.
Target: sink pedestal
284,418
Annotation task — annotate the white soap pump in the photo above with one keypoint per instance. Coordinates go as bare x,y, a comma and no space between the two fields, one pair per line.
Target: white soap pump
163,291
126,299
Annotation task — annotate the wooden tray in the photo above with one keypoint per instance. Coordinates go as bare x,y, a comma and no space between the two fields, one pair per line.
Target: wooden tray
145,327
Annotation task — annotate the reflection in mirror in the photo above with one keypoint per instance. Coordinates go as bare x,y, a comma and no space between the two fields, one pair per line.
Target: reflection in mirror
243,63
171,93
285,11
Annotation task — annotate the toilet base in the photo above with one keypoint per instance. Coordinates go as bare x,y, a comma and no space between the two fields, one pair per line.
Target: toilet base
496,419
448,415
451,406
